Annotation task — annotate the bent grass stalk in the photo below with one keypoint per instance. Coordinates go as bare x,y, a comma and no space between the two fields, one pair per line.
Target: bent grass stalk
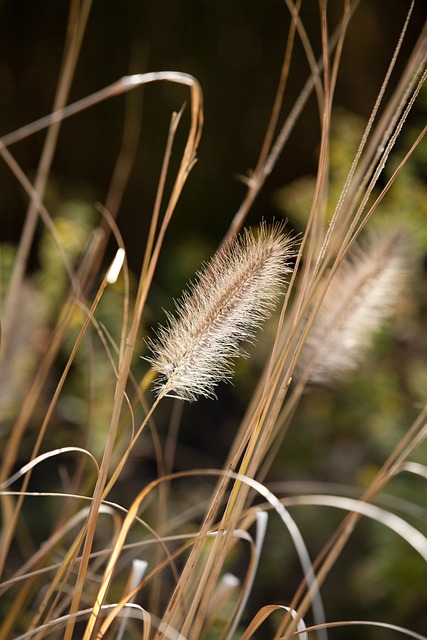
76,28
144,284
123,85
12,523
331,551
189,378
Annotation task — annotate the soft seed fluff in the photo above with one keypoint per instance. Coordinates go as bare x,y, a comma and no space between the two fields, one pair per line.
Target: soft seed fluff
233,294
362,295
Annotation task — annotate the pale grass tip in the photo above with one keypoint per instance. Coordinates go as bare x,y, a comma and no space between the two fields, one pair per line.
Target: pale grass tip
232,295
361,296
116,266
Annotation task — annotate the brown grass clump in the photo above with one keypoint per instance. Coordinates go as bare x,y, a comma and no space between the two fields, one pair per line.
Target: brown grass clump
112,527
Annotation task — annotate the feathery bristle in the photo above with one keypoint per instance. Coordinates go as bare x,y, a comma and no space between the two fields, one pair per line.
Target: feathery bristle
360,297
233,294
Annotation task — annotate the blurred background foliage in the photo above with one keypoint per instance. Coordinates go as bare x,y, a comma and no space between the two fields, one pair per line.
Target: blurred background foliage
339,437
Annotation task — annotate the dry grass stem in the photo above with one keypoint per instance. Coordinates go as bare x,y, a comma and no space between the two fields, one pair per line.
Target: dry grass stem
185,548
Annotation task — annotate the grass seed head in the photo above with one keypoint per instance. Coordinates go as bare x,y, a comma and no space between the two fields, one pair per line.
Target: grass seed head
232,295
362,295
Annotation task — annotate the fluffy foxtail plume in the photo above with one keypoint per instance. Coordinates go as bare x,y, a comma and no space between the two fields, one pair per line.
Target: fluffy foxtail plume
362,295
233,294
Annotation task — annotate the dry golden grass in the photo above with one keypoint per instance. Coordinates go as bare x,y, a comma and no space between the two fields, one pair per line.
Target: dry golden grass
89,578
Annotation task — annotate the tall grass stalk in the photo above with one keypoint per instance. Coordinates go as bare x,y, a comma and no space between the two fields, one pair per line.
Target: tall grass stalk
340,284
